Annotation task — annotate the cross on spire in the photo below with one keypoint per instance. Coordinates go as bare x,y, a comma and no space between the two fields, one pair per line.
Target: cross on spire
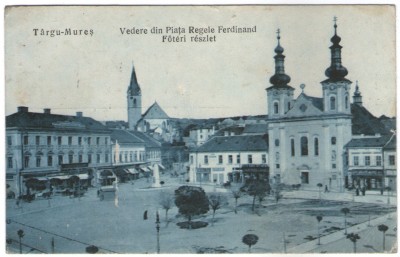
335,20
278,33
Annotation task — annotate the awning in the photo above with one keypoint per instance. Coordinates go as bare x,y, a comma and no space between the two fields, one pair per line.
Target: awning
161,166
133,171
59,177
145,169
83,176
150,168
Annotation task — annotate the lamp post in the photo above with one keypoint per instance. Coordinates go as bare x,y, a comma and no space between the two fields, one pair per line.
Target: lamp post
158,231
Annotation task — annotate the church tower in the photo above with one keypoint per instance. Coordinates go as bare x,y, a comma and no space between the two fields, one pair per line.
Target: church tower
134,98
336,88
280,94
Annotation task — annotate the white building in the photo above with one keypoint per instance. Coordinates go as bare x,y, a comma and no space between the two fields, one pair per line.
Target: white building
230,158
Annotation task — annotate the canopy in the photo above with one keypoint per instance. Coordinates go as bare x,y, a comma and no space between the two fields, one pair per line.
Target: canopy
132,171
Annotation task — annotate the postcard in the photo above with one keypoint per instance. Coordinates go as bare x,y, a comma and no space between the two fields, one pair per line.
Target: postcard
200,129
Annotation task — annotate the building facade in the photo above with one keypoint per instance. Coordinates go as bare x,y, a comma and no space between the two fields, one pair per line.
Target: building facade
41,144
230,158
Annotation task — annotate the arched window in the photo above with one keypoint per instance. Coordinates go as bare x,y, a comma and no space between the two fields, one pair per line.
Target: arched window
304,146
276,108
292,147
134,101
332,101
316,147
346,102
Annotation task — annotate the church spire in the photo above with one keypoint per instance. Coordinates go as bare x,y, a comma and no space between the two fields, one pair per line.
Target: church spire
279,78
336,71
134,88
357,98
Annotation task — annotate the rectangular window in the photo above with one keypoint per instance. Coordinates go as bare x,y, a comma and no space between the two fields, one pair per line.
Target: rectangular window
277,166
97,140
292,152
38,161
59,140
26,162
26,140
49,160
367,161
89,158
220,159
355,160
205,159
69,140
333,140
392,160
48,140
238,159
89,140
191,159
106,157
70,158
264,158
126,157
9,162
230,159
333,165
98,158
378,160
106,141
304,146
37,140
60,159
9,140
80,158
79,140
250,159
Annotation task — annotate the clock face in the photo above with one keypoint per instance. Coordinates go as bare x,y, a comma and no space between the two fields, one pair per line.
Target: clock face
332,87
303,107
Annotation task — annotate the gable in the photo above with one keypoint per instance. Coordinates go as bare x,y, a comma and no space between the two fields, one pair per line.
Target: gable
155,112
303,107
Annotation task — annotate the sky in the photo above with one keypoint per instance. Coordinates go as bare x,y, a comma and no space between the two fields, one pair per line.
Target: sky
224,78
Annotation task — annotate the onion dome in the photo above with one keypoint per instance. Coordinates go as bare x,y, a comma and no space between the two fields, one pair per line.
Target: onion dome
336,71
279,78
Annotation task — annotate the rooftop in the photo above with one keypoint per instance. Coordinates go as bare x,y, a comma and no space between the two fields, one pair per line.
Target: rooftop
235,143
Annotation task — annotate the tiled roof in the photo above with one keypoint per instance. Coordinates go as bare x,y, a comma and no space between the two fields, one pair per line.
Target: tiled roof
369,142
32,120
124,137
391,144
235,143
363,122
148,140
255,129
235,129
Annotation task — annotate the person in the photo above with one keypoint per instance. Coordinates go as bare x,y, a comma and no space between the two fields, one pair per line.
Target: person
145,215
326,189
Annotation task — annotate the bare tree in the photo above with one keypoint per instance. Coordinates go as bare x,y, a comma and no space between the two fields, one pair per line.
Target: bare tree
216,201
166,202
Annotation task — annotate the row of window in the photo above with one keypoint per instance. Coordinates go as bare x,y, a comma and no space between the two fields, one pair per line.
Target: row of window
230,159
131,157
51,163
49,140
304,146
378,160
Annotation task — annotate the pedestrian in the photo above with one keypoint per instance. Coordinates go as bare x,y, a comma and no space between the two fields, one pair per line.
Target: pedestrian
145,215
326,189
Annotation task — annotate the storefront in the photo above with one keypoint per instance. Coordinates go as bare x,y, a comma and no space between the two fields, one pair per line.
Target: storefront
370,179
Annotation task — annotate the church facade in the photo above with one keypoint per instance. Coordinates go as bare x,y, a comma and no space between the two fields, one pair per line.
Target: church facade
308,135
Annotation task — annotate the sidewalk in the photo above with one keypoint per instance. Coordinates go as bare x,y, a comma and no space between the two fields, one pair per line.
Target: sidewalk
374,235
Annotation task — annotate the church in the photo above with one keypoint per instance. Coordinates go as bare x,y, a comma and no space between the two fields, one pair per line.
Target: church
308,135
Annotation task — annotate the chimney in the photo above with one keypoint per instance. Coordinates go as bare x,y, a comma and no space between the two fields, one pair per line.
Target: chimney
47,110
79,114
22,109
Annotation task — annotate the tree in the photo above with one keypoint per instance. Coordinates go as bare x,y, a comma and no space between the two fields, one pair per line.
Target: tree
345,211
236,194
319,218
191,201
166,202
256,188
383,228
216,201
21,234
250,239
319,185
353,238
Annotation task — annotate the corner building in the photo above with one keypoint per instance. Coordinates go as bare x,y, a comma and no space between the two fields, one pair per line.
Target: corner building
308,134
